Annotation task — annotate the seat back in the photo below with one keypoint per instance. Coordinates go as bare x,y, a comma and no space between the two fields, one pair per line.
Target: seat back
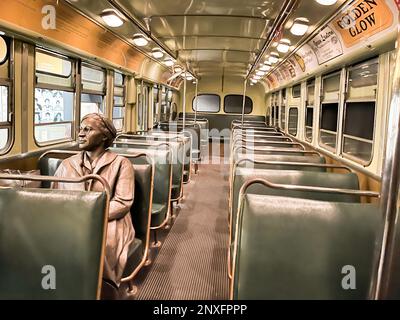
51,232
290,248
141,207
143,193
48,167
177,158
162,176
292,177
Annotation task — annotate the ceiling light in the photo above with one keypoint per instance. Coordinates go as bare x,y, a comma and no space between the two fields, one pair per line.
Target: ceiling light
326,2
2,33
300,26
256,77
140,40
283,46
169,62
189,77
178,68
260,73
252,83
157,53
273,58
265,67
112,18
253,80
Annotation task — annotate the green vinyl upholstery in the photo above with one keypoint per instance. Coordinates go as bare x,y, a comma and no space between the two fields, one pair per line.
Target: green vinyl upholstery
140,208
140,211
177,159
290,248
292,177
162,180
59,228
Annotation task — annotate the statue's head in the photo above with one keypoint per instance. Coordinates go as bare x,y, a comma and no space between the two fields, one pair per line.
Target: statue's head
96,131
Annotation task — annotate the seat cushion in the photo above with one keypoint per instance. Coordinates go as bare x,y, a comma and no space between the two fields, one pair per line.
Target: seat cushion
135,255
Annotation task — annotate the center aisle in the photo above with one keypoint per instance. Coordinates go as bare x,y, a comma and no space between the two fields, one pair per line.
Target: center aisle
192,263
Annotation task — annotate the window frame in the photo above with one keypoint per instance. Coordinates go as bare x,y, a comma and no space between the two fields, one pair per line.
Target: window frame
238,95
311,82
72,89
345,155
9,82
207,94
329,101
297,121
123,86
292,90
102,93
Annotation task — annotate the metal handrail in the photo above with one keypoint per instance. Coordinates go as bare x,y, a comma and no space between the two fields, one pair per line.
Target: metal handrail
289,163
269,184
291,150
58,179
141,144
272,143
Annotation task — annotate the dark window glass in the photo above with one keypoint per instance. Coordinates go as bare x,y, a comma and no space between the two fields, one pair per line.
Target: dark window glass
206,103
329,116
309,116
233,103
296,91
359,120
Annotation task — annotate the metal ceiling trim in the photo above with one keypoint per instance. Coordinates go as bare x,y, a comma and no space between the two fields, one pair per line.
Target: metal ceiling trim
285,12
142,28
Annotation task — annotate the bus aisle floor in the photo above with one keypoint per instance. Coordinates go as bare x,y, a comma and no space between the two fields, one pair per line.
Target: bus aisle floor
191,263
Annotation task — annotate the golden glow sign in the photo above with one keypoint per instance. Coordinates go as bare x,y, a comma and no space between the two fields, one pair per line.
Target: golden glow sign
362,20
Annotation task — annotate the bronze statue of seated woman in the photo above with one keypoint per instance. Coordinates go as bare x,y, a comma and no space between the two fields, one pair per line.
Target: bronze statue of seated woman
96,135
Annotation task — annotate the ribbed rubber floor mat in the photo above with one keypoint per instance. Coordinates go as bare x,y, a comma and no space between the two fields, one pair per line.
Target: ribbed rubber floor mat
192,263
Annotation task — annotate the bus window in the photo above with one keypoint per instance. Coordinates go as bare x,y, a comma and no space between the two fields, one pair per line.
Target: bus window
283,106
233,103
272,110
143,106
54,98
296,91
309,110
119,101
362,81
206,103
6,122
283,120
93,90
156,105
293,120
329,110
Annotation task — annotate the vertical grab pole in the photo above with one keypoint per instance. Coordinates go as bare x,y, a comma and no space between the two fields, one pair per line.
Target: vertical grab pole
384,284
195,105
244,98
184,101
